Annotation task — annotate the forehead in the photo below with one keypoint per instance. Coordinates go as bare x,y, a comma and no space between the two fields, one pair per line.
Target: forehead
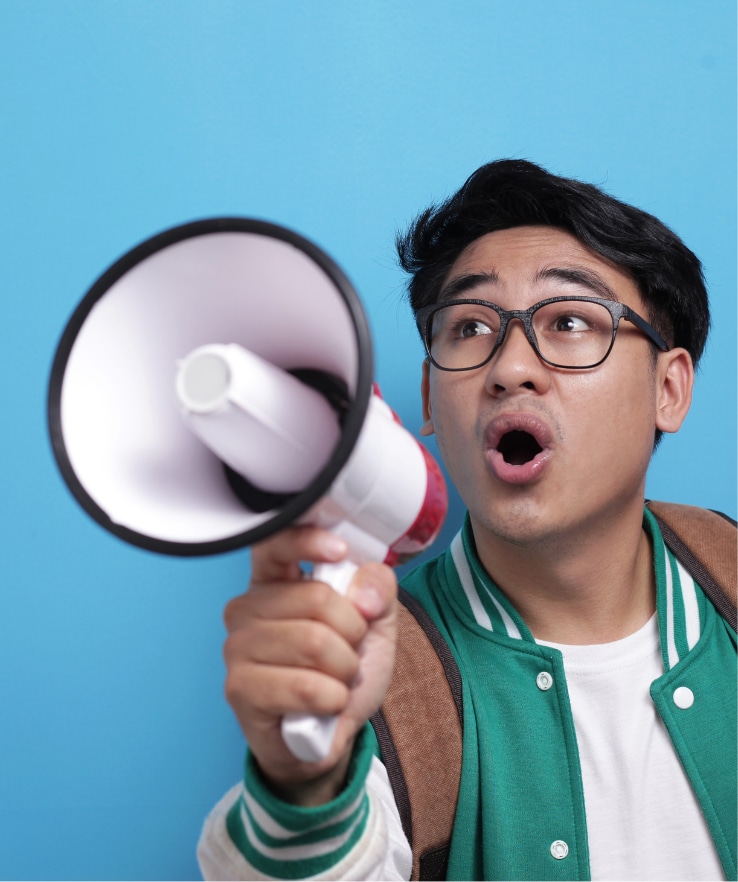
521,255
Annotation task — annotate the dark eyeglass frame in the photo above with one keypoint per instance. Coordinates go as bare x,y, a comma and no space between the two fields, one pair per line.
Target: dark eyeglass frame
616,309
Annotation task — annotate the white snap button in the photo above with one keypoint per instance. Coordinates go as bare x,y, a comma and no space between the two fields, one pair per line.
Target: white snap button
683,697
544,681
559,849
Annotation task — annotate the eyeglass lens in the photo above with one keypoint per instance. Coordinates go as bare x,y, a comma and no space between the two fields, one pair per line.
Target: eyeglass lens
569,333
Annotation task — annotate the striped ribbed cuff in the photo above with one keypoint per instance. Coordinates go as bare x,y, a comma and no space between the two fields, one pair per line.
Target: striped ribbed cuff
286,841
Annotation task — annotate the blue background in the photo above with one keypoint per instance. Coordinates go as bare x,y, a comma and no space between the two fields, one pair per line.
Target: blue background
341,120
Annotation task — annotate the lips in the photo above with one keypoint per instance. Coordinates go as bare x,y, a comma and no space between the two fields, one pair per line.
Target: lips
518,447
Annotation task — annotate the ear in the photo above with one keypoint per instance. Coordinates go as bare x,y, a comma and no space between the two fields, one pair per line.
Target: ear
675,379
427,427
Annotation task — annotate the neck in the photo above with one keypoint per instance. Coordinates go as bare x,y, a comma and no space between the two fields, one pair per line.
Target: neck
594,587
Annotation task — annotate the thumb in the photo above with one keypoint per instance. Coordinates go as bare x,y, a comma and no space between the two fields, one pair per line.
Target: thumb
373,591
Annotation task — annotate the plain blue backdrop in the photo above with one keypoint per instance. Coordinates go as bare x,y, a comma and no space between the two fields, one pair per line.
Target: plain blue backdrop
339,119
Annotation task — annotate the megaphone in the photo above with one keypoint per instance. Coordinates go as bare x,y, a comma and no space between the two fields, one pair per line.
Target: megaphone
214,386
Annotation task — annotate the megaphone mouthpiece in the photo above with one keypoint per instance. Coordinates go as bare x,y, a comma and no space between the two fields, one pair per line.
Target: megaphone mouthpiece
203,380
265,424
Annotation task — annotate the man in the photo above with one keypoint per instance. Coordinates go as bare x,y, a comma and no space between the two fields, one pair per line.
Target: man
562,330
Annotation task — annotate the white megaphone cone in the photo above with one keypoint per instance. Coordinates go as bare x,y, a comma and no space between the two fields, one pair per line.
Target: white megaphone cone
271,418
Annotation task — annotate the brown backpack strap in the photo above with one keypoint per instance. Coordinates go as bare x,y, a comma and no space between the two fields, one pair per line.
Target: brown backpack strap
706,543
419,729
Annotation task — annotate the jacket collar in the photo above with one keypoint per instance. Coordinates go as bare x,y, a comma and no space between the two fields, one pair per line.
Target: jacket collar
680,602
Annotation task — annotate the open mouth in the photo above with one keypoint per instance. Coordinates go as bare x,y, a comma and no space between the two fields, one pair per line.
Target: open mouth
518,447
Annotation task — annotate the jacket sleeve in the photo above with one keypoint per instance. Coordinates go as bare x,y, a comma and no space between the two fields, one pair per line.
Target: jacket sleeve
250,834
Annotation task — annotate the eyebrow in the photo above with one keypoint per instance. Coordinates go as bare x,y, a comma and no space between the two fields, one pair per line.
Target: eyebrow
464,284
571,275
578,276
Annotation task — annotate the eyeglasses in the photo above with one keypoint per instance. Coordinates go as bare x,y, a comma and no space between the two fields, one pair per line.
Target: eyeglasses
566,332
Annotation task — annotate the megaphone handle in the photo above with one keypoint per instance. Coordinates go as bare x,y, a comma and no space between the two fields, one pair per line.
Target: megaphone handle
337,575
310,737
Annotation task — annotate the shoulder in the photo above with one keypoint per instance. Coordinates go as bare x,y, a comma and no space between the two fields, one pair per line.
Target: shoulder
690,517
422,578
705,542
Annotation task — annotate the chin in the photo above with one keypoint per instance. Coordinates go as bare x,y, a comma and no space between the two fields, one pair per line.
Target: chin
529,536
521,523
528,522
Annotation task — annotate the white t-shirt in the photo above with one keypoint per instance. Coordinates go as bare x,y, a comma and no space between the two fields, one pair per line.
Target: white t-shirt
639,822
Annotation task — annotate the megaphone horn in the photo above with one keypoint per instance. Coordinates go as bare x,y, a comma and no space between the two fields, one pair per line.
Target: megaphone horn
116,430
214,386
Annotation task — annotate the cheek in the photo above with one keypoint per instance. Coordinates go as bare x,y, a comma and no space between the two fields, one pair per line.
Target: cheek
617,425
454,416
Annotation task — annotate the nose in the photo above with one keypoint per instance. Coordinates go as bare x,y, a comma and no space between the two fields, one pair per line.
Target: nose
516,366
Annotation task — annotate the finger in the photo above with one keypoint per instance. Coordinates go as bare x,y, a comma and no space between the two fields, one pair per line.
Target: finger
303,644
309,600
270,691
373,590
278,558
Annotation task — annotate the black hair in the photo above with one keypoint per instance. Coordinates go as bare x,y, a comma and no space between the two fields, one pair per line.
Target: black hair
511,193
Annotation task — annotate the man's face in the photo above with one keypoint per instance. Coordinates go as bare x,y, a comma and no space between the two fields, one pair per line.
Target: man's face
537,451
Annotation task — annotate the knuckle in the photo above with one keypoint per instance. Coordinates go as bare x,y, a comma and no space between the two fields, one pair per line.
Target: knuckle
319,594
233,612
231,650
233,687
281,546
306,688
314,639
319,694
263,558
383,575
356,627
248,694
266,547
352,669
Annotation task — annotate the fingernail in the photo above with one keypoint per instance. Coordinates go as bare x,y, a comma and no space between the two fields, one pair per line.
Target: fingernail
369,599
334,547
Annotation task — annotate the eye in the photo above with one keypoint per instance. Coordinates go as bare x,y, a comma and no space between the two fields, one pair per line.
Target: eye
471,328
457,323
571,324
